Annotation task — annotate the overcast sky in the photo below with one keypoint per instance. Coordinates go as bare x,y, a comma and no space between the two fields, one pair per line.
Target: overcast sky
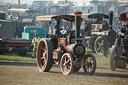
30,1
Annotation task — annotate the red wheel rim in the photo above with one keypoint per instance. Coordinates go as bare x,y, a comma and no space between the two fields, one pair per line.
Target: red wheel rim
66,64
89,64
42,55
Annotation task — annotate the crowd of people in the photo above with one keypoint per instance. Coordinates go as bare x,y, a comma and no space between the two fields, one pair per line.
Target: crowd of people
117,27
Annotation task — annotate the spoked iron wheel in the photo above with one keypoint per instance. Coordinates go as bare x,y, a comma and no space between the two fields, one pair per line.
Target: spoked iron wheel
66,64
89,64
113,59
98,45
44,55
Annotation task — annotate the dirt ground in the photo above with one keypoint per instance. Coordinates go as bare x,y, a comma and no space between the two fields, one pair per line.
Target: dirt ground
17,73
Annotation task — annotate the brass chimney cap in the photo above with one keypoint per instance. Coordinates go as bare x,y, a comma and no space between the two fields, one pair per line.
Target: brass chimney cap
110,11
78,13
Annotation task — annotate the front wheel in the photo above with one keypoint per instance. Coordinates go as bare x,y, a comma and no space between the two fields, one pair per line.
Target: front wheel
89,64
66,64
113,58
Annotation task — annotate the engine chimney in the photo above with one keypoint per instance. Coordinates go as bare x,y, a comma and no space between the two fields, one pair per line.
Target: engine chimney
77,25
110,19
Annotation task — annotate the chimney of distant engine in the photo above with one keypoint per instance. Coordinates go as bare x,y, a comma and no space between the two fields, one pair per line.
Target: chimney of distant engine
19,3
110,19
77,25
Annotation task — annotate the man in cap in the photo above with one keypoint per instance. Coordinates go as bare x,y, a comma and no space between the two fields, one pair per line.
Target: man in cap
35,41
63,31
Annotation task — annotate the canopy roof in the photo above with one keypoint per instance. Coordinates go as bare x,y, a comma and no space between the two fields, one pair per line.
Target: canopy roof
5,21
93,15
71,17
57,17
123,16
65,17
45,18
2,12
23,10
98,16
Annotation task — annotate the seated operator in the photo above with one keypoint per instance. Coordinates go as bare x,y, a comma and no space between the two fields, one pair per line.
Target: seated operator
63,31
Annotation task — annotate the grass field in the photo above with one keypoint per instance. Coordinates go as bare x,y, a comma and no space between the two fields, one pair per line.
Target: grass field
14,57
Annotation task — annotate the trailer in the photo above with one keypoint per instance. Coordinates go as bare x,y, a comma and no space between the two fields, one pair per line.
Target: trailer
21,46
9,41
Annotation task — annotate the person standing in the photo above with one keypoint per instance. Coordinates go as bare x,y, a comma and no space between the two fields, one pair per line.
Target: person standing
52,30
35,41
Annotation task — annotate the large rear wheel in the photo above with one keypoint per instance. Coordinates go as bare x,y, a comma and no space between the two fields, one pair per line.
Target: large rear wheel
89,64
44,55
66,64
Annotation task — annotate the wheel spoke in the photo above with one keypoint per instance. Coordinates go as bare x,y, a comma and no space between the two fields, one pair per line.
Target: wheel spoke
99,46
42,57
65,60
68,61
99,43
67,69
43,48
88,64
63,64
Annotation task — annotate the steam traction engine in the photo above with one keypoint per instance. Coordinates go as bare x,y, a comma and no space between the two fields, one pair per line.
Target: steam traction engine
68,52
119,51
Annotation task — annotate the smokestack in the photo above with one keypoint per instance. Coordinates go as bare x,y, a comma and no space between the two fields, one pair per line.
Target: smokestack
77,25
110,19
19,3
66,1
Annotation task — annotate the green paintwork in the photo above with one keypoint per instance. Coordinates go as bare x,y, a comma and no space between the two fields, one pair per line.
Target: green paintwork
2,46
29,32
